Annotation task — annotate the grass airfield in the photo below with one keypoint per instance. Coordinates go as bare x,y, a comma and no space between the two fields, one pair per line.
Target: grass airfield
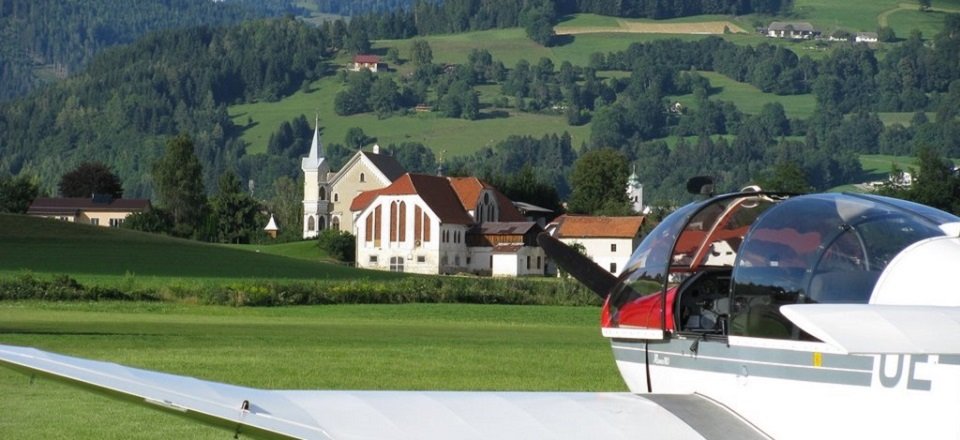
383,347
376,347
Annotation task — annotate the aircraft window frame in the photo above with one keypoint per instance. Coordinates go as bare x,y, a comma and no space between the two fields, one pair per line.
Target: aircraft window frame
640,279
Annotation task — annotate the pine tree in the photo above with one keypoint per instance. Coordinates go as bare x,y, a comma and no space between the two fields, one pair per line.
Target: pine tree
178,177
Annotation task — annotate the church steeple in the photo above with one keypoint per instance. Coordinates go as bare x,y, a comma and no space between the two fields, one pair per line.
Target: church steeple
315,157
316,207
635,191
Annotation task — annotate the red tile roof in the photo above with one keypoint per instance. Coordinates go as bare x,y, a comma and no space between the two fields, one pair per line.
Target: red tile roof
468,191
435,191
582,226
73,205
366,59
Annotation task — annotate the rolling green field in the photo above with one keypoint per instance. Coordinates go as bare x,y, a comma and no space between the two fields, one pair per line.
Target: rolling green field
118,256
304,250
417,347
458,137
455,136
750,99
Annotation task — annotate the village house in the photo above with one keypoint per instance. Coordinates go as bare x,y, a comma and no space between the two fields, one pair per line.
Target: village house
440,225
327,195
99,210
867,37
608,241
368,62
800,30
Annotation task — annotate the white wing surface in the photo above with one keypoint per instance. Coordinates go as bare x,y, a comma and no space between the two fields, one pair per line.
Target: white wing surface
399,415
880,329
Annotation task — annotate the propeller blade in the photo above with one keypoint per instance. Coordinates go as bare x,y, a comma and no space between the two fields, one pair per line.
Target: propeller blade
579,266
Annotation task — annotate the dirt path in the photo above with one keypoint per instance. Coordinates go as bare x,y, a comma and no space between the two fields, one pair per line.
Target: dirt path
623,26
883,18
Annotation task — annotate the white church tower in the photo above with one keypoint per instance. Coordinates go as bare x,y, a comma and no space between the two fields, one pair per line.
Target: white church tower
316,189
635,192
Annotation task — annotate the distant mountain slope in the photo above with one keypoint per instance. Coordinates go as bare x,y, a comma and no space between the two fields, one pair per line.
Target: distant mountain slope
48,39
131,99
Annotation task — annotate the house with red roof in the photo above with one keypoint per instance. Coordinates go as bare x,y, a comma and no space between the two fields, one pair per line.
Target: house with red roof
368,62
608,241
439,225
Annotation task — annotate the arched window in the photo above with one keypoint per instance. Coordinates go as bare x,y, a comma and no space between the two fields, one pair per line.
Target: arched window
363,177
402,227
335,223
336,197
368,232
323,193
311,226
377,222
393,222
322,224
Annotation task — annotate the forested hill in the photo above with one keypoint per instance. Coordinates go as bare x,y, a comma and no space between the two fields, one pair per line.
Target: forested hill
131,99
473,9
47,39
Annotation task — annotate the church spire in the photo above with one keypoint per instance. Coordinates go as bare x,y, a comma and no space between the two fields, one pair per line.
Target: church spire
315,158
316,148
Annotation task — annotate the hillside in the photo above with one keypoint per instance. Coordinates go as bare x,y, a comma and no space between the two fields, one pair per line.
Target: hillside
45,246
614,71
48,40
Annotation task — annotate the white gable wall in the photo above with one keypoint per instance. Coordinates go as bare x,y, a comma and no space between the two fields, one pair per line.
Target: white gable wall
601,251
444,252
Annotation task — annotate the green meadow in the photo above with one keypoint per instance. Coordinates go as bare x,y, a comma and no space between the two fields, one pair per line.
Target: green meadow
750,99
455,136
113,257
395,347
458,137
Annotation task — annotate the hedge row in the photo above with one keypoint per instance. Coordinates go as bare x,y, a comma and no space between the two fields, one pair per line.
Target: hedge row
527,291
63,288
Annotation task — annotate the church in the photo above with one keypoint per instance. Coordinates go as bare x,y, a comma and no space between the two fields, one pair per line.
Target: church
327,195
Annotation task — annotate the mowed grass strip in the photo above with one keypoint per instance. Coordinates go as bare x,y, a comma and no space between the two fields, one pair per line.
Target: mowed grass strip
54,247
397,347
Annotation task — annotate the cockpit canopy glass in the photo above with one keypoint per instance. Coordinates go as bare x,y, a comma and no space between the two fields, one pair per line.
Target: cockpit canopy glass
726,265
697,236
822,248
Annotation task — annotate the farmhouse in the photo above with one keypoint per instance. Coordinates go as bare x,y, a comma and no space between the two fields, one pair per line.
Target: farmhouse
327,195
608,241
368,62
99,210
867,37
800,30
439,225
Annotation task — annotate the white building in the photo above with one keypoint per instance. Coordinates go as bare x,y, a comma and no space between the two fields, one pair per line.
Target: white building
327,195
799,30
635,192
867,37
439,225
608,241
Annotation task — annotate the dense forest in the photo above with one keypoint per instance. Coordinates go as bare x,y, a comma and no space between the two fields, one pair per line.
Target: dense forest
130,99
54,38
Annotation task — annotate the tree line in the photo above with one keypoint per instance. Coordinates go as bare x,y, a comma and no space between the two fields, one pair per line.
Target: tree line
65,35
131,99
426,17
